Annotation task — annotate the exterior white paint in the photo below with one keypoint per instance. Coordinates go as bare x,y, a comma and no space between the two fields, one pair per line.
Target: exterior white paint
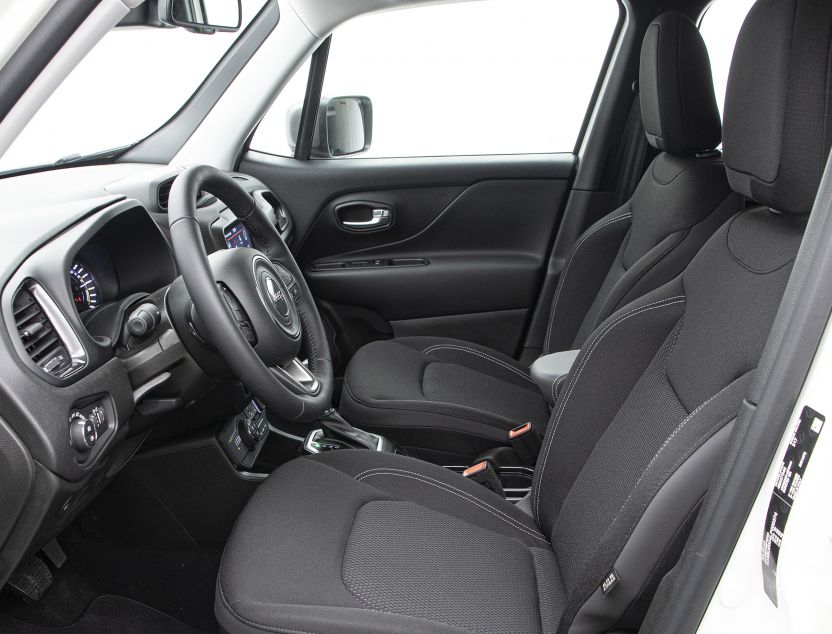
803,587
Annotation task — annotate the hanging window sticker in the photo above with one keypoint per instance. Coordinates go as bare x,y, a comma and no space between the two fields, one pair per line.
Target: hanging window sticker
792,469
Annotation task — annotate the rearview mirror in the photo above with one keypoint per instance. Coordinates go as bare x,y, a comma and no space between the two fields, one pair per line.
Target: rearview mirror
202,16
344,127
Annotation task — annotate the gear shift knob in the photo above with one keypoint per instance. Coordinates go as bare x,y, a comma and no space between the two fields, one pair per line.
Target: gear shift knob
336,428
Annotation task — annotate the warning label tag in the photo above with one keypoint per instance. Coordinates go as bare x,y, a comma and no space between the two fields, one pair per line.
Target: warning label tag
792,468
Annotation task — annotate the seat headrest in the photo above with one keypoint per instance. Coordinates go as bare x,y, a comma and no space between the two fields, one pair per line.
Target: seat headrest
777,107
676,88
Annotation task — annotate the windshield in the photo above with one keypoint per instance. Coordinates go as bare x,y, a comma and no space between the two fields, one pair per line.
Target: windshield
129,85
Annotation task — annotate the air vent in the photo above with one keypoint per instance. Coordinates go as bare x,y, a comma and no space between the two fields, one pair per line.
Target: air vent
45,334
272,207
163,195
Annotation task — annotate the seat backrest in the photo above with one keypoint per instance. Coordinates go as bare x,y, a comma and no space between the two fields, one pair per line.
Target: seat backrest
680,201
645,415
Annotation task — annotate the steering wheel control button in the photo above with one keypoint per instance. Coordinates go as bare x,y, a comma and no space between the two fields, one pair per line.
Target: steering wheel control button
288,278
239,314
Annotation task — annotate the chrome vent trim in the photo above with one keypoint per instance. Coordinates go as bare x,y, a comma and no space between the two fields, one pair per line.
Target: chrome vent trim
49,340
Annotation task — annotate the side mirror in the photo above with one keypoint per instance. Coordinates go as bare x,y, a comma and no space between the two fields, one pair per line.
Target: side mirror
344,127
202,16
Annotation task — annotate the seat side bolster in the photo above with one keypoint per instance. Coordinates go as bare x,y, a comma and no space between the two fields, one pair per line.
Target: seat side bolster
583,274
652,536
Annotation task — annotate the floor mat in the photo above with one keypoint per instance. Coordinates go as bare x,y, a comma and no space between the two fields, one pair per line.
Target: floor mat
107,615
177,583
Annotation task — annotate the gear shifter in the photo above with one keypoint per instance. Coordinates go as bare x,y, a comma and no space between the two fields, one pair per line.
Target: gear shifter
336,428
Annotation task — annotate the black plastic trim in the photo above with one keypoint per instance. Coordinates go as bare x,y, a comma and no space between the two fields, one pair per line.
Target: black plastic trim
314,89
38,49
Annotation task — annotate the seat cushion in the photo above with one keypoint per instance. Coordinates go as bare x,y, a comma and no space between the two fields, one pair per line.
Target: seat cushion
441,399
357,541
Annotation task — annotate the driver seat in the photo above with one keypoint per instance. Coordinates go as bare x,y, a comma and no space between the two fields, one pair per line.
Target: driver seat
361,541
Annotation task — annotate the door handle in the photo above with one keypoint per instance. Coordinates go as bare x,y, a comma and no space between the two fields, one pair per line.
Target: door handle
379,219
364,216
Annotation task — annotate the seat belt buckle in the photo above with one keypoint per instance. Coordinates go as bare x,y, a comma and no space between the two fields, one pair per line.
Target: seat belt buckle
483,473
525,442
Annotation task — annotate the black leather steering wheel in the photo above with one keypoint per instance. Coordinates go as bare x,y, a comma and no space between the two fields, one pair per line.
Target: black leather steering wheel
242,299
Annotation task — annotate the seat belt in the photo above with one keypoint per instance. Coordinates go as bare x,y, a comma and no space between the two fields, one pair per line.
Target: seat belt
635,152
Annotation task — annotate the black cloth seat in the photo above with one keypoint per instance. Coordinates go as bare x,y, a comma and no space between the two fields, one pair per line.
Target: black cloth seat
356,541
381,510
464,395
447,400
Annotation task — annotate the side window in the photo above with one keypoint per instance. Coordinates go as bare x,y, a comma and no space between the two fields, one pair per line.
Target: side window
720,27
274,135
489,77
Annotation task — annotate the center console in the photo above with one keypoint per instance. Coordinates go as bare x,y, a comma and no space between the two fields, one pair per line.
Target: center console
335,434
244,435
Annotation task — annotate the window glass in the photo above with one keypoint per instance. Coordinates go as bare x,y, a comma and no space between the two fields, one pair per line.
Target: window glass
488,77
720,27
274,135
128,85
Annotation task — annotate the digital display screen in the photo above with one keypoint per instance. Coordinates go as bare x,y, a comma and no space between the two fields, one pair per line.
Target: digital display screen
237,236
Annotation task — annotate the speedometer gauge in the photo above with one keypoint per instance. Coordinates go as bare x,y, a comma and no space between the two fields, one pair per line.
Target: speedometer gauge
85,292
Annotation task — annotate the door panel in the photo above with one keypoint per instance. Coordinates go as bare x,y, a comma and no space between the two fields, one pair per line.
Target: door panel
482,253
414,209
463,256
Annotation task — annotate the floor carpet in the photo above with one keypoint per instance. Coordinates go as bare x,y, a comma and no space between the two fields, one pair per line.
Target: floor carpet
107,615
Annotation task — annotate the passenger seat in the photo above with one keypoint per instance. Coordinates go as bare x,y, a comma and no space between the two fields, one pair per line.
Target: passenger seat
447,400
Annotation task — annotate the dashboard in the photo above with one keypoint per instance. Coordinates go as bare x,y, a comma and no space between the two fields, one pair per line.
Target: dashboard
91,360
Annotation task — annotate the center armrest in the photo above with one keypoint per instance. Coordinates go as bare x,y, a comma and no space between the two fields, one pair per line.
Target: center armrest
547,369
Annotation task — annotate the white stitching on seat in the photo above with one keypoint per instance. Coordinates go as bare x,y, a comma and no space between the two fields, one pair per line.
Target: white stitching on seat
665,444
485,356
412,475
679,299
583,239
558,380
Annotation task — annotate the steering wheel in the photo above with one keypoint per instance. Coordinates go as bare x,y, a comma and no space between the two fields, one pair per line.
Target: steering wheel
253,305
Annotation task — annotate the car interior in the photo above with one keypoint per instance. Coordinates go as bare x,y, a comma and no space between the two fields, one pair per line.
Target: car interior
245,392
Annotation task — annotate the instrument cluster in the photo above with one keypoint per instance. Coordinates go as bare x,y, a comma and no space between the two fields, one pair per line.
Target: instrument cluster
86,293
